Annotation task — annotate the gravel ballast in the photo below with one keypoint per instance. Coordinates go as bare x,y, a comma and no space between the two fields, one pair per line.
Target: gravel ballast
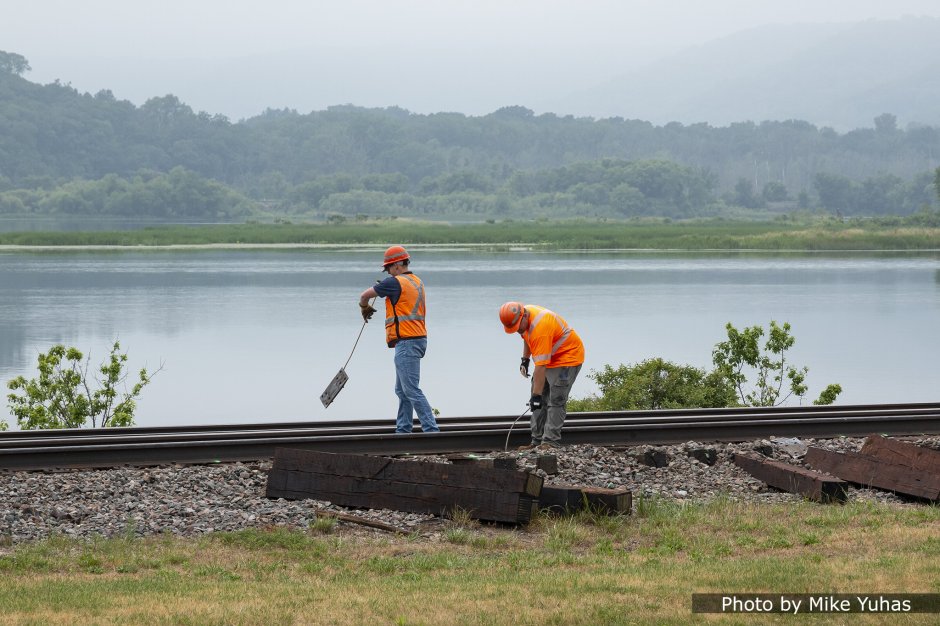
191,500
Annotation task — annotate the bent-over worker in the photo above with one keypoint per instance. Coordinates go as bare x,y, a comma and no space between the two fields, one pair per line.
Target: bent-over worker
558,353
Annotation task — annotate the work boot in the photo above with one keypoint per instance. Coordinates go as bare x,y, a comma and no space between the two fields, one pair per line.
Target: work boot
530,446
547,446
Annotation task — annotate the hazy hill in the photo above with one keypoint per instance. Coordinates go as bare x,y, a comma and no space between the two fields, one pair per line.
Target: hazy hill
64,151
838,75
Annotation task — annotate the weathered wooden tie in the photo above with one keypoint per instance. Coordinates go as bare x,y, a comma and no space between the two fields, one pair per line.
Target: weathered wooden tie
873,472
807,483
918,458
571,498
548,463
468,458
373,482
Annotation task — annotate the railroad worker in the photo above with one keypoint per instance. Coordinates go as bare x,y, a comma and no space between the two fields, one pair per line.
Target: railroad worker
558,353
405,331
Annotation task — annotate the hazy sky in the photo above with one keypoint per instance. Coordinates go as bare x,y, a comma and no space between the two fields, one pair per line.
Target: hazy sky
172,28
140,49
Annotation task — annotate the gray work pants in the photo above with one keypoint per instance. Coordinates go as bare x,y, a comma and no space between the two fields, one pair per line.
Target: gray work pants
547,421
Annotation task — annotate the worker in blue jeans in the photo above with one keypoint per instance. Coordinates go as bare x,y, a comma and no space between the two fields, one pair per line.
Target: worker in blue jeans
406,332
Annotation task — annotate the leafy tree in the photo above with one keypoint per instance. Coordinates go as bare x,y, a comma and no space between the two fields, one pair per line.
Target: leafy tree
917,194
179,193
741,354
513,112
11,63
164,110
359,201
627,200
656,384
882,194
674,187
62,395
886,123
312,193
803,200
836,192
389,183
775,191
454,182
744,194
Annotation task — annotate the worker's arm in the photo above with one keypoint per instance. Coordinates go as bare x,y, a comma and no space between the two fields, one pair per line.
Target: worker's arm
538,380
365,307
524,364
366,296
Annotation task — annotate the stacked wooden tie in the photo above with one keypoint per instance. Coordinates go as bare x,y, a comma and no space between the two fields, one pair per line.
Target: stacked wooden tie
485,490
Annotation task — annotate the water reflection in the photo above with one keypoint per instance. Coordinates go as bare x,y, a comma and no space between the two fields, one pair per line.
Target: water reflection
254,335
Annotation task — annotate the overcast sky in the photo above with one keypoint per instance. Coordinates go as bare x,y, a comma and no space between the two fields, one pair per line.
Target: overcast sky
136,48
174,28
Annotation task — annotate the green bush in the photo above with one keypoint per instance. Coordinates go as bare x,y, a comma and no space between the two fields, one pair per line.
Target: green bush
656,384
63,395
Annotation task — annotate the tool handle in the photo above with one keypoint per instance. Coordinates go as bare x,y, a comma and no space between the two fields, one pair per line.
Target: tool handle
357,337
506,447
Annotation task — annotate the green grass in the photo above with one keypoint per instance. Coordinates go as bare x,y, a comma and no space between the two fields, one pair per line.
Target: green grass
585,569
575,234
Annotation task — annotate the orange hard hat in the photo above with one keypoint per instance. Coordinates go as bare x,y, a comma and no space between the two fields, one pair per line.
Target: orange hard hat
510,314
394,255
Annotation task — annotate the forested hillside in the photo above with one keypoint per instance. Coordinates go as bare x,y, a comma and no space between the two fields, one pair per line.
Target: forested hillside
68,153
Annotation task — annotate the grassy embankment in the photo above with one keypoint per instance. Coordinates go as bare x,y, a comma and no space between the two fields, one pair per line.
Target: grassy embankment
585,570
705,235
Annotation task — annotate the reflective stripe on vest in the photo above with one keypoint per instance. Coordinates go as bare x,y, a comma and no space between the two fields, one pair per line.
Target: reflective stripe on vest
405,318
543,315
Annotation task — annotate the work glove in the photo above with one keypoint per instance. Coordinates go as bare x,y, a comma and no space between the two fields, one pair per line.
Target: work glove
535,402
367,311
524,368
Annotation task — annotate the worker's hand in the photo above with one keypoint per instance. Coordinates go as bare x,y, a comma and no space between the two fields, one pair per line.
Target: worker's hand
367,311
535,402
524,367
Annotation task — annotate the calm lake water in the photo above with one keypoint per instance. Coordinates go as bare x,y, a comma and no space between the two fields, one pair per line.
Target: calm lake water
256,335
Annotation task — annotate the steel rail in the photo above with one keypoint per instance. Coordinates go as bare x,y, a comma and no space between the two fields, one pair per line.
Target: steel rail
6,437
472,434
34,438
608,420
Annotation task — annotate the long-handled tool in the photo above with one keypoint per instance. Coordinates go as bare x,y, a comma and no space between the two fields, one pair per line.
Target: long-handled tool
339,381
524,370
506,446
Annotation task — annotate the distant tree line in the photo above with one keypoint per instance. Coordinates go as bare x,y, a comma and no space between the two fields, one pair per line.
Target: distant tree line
65,152
179,194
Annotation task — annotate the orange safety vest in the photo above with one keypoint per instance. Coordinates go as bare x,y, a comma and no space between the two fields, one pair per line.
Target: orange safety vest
551,341
405,318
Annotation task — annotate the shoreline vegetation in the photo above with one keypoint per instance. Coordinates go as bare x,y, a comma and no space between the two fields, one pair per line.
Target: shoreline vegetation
708,235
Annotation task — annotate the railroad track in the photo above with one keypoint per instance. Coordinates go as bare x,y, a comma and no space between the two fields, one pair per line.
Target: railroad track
111,447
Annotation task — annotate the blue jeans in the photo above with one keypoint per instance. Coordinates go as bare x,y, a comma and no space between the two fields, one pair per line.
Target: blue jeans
411,400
